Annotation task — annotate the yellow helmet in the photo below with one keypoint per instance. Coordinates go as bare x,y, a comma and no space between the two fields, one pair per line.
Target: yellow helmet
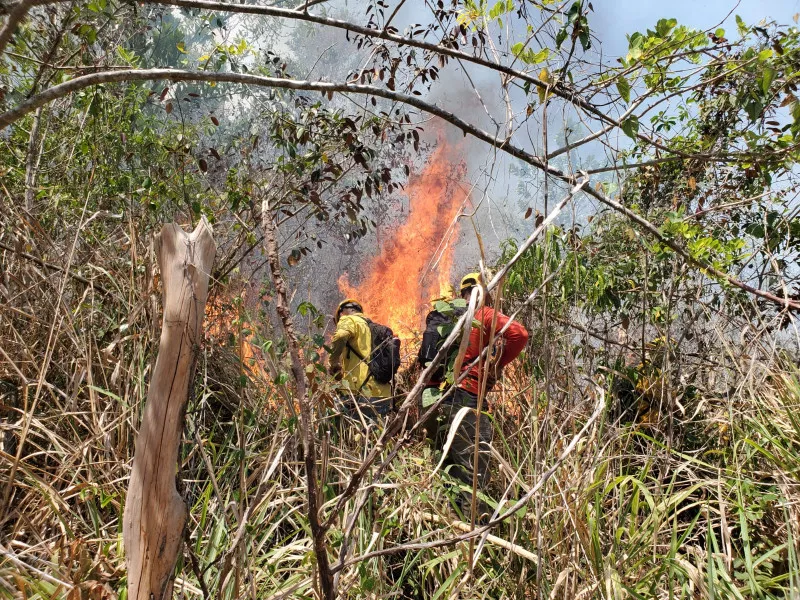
469,280
348,303
446,292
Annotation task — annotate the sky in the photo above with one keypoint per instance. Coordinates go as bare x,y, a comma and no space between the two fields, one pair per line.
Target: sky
611,20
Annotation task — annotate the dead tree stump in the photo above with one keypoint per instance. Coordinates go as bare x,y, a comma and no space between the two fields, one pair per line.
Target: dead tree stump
155,514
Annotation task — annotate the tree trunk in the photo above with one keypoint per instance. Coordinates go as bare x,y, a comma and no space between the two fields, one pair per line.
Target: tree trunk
155,514
326,584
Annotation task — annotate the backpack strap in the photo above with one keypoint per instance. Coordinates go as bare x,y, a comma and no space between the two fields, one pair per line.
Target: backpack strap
356,352
350,347
369,376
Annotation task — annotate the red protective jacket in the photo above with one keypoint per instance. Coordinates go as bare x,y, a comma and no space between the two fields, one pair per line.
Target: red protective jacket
515,337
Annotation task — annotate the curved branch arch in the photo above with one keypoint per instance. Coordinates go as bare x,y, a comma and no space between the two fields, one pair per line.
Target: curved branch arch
126,75
559,89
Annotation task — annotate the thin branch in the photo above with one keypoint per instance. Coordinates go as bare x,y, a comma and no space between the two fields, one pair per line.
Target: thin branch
187,539
395,423
85,81
15,16
32,160
306,410
492,539
560,89
500,518
48,265
66,587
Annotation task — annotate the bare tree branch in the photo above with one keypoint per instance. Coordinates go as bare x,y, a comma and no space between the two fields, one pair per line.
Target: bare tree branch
15,16
306,410
85,81
49,265
32,161
598,410
559,89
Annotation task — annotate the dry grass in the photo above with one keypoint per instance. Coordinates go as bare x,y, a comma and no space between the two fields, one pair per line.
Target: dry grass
698,499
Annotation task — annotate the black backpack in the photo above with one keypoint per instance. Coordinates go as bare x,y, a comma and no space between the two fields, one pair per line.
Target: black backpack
438,325
384,359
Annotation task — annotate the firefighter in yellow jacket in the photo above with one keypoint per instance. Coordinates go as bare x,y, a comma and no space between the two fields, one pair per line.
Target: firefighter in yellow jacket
351,349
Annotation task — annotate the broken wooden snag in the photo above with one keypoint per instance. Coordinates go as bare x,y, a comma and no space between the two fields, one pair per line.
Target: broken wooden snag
155,514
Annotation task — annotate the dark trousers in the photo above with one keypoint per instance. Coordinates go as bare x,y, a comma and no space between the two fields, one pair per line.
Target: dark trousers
371,408
461,454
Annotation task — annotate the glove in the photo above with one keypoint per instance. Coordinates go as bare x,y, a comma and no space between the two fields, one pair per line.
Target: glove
335,370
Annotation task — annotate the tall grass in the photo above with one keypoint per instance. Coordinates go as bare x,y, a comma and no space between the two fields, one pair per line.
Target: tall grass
626,516
696,497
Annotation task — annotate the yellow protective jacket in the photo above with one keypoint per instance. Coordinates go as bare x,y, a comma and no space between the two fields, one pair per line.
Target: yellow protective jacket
353,329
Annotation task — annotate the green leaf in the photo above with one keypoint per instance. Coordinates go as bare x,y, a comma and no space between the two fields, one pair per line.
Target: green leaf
502,7
561,36
127,56
583,36
631,126
740,25
528,56
624,89
767,77
664,26
443,307
88,33
755,229
635,44
304,308
634,54
753,108
574,12
540,56
533,58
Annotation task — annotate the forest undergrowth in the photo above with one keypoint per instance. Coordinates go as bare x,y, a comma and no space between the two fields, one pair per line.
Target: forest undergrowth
685,487
651,423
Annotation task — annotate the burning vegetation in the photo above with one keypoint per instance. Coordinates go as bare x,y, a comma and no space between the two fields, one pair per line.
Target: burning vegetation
645,443
414,262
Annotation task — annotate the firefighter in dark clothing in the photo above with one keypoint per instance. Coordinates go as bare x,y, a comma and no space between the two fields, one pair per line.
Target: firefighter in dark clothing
439,322
510,344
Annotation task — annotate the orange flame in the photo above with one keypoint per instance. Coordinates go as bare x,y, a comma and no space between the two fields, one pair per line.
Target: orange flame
396,287
224,319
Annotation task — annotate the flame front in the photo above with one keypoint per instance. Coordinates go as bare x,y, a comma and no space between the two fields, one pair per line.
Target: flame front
399,283
223,319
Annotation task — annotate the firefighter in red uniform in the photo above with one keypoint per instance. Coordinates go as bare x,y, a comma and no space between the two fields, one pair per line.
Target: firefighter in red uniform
511,343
